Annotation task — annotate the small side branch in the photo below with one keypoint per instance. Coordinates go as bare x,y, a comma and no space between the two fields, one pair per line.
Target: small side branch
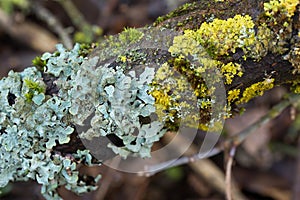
228,172
231,142
45,15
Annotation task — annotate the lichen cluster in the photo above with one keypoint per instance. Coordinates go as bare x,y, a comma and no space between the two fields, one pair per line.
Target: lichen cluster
122,104
31,125
287,7
203,72
278,18
256,89
137,105
230,70
175,100
220,37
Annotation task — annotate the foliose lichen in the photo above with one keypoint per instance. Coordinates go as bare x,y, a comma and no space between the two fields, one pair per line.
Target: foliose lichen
116,99
122,104
134,106
32,124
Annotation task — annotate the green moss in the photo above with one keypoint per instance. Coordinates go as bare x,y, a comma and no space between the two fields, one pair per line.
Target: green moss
130,35
35,86
34,90
179,11
39,63
87,48
119,45
88,34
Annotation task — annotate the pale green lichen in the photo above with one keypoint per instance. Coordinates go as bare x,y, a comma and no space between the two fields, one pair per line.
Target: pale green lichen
130,35
113,99
122,99
31,131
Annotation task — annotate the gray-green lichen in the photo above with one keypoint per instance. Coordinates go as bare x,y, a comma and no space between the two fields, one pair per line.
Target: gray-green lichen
122,101
33,123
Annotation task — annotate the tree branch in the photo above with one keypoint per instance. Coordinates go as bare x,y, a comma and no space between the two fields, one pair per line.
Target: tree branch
187,71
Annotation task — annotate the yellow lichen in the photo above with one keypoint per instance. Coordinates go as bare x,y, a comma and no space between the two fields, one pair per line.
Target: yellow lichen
286,6
295,87
261,47
256,89
186,44
168,90
230,70
223,36
294,57
278,17
233,95
123,59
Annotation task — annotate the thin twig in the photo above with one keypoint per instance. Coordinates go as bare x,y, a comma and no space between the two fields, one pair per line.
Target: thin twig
235,140
28,33
228,172
45,15
153,169
76,17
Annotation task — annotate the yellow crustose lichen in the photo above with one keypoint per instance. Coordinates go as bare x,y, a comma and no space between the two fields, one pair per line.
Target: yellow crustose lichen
256,89
230,70
167,89
233,95
186,44
218,37
224,36
174,98
287,6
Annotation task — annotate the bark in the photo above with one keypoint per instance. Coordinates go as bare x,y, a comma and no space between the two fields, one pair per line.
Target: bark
273,64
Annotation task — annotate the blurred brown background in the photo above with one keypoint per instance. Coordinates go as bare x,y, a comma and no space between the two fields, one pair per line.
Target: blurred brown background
265,165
